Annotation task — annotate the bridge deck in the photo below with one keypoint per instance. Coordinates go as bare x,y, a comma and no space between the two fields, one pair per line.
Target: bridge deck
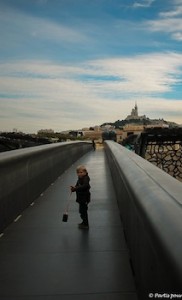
42,258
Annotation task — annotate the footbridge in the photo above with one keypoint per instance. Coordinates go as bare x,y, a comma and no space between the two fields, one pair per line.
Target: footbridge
133,248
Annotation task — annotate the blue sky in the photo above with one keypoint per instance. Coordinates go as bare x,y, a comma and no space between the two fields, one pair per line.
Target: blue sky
70,64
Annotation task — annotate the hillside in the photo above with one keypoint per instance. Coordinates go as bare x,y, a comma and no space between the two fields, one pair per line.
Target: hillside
120,123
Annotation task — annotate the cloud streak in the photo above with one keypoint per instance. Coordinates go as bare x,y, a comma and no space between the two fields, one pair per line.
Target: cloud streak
169,22
67,95
143,3
19,28
140,74
63,69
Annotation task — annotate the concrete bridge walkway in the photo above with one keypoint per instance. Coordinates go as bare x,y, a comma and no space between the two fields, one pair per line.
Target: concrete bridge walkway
43,258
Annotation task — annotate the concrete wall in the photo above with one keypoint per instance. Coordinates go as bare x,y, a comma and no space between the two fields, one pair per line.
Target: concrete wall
150,203
26,173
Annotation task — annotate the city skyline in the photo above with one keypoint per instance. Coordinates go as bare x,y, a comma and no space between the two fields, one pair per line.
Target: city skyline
74,63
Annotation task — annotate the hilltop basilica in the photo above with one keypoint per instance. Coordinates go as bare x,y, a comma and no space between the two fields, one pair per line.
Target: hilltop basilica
134,114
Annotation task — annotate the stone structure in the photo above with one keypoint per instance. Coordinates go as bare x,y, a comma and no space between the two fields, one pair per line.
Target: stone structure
134,114
163,148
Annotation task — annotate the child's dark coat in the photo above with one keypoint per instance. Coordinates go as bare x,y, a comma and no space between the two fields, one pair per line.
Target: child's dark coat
82,190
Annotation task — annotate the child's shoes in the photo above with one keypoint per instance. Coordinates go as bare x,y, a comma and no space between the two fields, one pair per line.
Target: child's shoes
83,226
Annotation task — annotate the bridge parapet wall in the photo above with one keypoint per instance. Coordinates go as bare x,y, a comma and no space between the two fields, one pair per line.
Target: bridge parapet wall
26,173
150,203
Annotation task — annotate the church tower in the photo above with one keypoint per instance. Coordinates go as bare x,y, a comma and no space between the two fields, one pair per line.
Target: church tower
136,110
134,114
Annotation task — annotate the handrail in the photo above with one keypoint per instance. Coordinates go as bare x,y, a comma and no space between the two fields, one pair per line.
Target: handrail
150,203
26,173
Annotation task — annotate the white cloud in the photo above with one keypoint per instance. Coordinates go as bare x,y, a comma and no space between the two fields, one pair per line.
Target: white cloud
169,25
169,21
143,3
52,31
173,13
177,36
153,73
20,28
42,94
143,74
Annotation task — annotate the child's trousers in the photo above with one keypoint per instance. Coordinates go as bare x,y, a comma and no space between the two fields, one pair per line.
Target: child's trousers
83,207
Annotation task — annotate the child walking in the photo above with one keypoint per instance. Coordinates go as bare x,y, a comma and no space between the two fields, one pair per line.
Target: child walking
82,189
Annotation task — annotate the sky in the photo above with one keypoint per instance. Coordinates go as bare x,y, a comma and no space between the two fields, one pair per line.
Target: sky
71,64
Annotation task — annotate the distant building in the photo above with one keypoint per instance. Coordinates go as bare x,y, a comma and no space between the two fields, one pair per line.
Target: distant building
93,135
45,131
158,124
119,135
75,133
130,129
134,114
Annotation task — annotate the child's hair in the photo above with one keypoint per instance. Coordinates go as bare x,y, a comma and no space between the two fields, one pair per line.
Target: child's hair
81,168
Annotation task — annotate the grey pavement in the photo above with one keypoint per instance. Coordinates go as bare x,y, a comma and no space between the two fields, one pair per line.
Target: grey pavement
43,258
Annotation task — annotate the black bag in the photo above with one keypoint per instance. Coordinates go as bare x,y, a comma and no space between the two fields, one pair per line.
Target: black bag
65,215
